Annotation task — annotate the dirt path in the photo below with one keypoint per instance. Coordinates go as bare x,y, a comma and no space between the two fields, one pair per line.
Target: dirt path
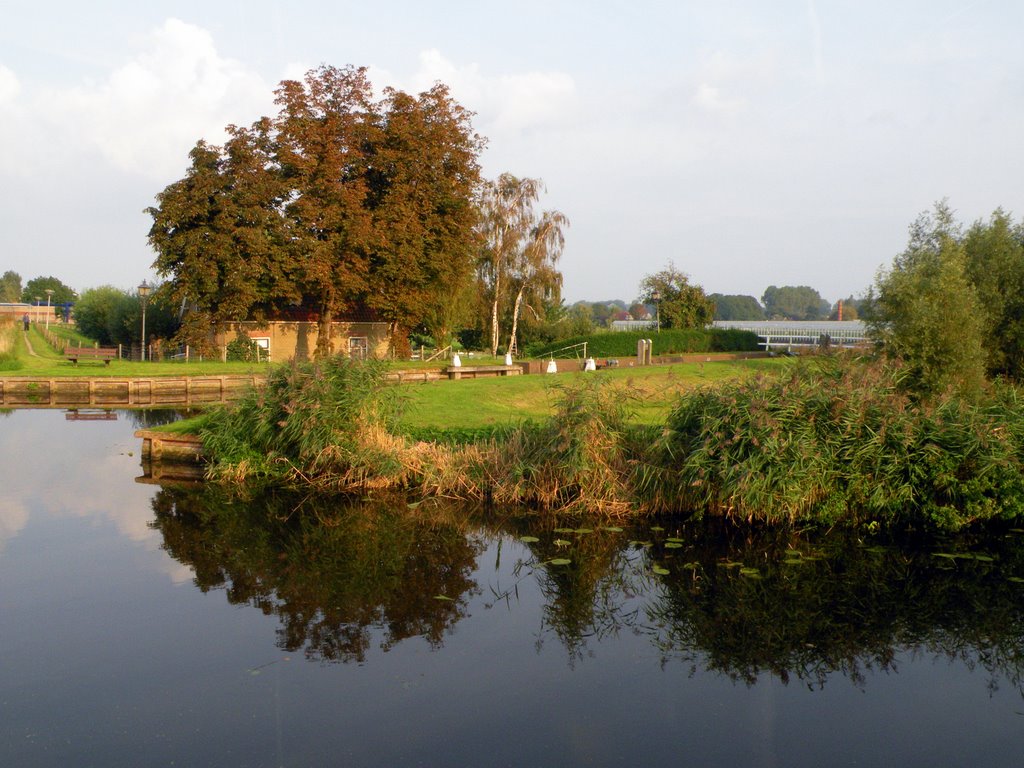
28,344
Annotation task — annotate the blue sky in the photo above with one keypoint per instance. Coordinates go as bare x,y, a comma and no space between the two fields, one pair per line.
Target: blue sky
750,143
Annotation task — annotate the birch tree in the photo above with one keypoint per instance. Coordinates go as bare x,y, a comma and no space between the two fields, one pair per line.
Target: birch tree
520,250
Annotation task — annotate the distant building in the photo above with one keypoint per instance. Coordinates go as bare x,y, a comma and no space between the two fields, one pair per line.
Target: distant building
357,334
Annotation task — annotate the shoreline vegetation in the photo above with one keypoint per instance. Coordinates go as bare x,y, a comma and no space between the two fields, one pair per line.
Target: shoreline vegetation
834,441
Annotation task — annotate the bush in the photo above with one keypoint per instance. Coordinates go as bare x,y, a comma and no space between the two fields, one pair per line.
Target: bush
243,349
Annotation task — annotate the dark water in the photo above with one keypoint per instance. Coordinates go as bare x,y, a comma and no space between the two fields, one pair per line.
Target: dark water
149,626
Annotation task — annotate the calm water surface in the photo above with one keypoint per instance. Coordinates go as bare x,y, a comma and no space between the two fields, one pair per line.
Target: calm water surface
150,626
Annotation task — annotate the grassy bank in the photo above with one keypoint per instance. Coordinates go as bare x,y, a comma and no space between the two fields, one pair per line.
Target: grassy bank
822,443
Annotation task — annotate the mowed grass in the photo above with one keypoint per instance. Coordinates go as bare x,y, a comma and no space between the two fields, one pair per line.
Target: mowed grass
482,403
48,362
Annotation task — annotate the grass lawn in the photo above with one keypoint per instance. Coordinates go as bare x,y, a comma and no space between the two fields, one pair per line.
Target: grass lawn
481,403
48,362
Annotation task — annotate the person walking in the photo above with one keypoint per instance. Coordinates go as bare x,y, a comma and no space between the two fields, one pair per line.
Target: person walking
25,321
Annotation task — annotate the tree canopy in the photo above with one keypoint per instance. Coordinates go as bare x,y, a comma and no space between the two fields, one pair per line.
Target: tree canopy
338,201
679,303
38,286
794,302
734,307
925,311
10,287
994,254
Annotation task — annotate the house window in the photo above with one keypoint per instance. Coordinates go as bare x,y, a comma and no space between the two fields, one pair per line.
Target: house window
357,347
262,348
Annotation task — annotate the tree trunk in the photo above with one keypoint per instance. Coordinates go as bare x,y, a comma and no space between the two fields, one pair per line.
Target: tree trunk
495,337
324,328
400,349
512,346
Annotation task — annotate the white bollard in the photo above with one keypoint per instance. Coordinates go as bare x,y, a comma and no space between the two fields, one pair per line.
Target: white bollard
552,366
508,358
456,361
590,365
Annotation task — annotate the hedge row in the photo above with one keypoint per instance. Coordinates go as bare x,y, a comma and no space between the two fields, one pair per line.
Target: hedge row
666,342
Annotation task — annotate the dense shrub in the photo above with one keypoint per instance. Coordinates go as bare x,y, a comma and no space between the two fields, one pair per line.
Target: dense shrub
841,442
327,418
666,342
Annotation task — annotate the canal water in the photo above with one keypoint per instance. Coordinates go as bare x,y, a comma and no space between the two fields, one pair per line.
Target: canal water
142,625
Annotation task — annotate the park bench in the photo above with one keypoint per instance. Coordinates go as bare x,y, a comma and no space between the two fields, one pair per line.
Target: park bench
106,354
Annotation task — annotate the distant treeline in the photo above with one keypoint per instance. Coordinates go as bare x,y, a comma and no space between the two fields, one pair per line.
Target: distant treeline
666,342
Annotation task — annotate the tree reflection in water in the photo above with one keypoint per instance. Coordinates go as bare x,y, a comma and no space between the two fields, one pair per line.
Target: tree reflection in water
333,577
742,604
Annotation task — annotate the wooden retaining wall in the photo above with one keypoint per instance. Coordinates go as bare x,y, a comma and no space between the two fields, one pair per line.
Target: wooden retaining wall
167,457
118,392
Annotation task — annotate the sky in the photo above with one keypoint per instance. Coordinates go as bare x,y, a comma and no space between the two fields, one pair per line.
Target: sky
749,143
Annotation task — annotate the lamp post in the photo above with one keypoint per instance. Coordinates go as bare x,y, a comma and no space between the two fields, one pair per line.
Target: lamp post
144,290
656,298
38,299
49,295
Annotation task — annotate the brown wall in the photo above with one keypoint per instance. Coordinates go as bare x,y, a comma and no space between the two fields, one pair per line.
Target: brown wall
17,311
297,340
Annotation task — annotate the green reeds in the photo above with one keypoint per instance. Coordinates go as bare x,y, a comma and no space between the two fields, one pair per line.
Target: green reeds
322,423
840,442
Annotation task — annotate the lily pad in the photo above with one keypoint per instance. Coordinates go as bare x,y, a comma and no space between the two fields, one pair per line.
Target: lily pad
673,545
560,561
660,571
750,572
613,528
562,543
443,597
528,539
564,530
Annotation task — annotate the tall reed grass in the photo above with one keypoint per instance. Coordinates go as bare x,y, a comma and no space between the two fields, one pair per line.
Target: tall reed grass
9,345
324,423
842,443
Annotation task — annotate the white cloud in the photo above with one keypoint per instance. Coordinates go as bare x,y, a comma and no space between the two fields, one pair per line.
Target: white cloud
147,114
709,97
506,105
9,85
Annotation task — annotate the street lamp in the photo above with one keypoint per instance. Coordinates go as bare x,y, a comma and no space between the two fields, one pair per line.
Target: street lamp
144,290
49,294
656,298
38,299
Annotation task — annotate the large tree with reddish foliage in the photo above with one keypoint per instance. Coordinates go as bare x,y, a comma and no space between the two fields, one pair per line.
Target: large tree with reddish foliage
337,201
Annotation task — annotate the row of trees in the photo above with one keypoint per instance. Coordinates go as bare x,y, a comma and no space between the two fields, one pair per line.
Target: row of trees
952,303
12,291
787,302
343,201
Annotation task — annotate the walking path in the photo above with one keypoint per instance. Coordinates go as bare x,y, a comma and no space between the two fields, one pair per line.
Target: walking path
28,344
